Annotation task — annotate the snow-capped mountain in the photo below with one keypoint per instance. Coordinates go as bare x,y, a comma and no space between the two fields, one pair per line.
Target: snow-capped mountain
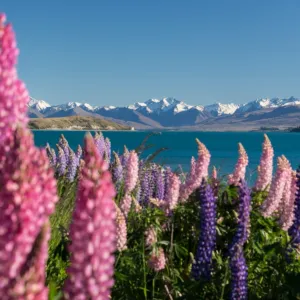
219,109
170,112
39,105
262,103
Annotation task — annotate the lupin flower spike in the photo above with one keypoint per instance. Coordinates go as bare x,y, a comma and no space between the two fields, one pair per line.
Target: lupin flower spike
265,168
195,177
157,260
92,231
240,168
132,172
121,230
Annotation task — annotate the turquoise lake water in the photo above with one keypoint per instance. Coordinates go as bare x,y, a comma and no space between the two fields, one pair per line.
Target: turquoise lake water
181,145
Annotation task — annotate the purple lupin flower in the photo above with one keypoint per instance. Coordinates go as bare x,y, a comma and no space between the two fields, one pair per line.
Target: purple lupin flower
168,173
294,230
61,161
160,185
117,171
72,167
63,143
100,143
52,159
124,158
239,274
145,186
207,238
237,261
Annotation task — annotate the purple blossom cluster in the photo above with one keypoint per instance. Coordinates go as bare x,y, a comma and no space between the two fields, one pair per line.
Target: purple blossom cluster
207,239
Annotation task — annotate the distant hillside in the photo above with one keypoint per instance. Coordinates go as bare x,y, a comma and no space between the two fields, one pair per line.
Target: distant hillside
75,123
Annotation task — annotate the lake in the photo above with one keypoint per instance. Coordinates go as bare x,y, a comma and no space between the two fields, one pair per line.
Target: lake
181,145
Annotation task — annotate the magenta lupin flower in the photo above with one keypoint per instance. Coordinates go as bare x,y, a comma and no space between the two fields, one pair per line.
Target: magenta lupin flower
157,260
265,169
240,168
92,231
131,172
150,236
214,173
13,93
288,201
126,204
172,193
200,171
121,230
272,202
31,285
27,198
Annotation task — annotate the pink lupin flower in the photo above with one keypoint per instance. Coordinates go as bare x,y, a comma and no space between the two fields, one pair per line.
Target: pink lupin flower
195,176
126,204
172,193
272,202
13,94
288,201
157,260
92,231
27,198
150,236
240,168
31,284
265,168
121,230
214,173
132,172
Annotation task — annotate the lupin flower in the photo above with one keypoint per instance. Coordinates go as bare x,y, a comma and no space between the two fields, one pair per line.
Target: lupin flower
145,186
31,284
13,93
131,171
294,230
237,260
107,149
27,198
214,173
63,143
92,231
61,161
239,274
172,194
51,155
160,185
72,166
271,204
240,168
121,230
126,204
78,153
195,177
124,157
207,239
265,168
150,237
117,171
157,260
288,202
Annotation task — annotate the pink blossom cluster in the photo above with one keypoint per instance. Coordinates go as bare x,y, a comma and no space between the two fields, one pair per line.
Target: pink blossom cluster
265,168
240,168
132,172
27,198
157,260
214,173
199,170
281,179
121,230
151,236
13,94
92,231
172,193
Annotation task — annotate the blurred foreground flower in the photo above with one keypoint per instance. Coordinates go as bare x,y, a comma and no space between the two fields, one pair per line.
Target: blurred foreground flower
92,231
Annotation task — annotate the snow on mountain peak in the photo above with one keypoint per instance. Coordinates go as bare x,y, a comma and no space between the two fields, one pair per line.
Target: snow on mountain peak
219,109
38,104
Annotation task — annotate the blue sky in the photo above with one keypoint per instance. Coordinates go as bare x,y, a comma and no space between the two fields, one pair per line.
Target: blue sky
119,52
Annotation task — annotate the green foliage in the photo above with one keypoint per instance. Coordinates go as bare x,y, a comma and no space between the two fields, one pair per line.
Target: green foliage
273,267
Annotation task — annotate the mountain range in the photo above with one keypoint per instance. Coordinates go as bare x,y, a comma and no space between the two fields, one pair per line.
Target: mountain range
170,113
